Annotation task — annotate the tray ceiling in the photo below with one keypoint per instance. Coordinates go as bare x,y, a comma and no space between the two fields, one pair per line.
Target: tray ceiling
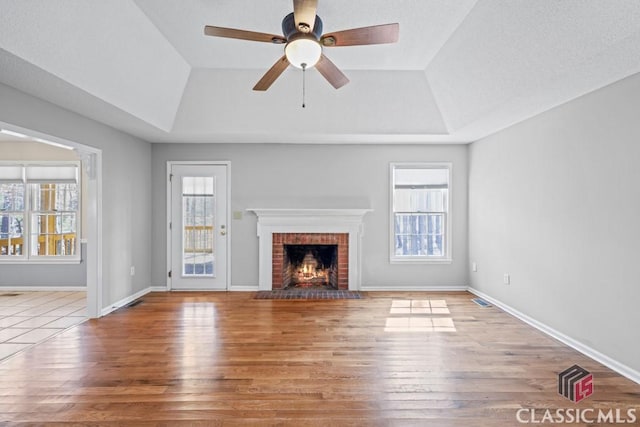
461,70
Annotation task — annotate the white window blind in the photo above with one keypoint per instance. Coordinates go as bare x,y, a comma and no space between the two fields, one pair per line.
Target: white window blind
11,173
39,174
67,174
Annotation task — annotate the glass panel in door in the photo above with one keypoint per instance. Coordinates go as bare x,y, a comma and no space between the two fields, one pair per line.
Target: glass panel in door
198,225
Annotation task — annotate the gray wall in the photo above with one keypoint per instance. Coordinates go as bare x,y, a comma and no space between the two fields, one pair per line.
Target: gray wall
126,193
45,275
274,175
555,202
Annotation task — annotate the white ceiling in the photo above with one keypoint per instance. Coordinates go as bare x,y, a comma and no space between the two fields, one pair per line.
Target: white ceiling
462,69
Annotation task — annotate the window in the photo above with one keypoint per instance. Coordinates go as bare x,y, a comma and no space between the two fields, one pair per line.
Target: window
420,220
39,212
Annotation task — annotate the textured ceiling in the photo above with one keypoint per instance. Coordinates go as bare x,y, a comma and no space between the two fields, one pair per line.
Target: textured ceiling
461,70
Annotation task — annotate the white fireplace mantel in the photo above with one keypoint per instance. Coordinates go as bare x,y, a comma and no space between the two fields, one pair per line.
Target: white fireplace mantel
290,220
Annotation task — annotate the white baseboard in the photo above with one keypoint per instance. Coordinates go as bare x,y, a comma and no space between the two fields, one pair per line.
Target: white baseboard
43,288
158,289
124,301
245,288
416,288
607,361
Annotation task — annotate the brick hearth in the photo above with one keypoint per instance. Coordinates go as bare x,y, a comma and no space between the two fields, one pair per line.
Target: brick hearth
281,239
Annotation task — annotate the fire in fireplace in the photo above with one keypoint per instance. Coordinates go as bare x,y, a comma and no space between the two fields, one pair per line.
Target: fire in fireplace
310,266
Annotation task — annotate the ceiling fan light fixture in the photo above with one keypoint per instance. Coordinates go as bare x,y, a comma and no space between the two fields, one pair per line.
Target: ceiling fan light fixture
304,49
302,33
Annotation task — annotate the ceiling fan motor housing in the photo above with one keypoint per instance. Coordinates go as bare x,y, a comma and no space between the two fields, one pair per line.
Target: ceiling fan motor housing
289,27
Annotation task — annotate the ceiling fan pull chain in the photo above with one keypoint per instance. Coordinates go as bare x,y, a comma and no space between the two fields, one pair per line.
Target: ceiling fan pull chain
304,69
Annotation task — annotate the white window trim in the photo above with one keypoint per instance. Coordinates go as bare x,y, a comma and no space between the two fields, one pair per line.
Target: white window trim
447,258
26,258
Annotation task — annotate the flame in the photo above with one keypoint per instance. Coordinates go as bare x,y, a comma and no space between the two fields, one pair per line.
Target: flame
309,269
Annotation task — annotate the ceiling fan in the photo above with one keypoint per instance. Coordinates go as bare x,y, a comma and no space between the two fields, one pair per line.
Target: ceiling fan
303,40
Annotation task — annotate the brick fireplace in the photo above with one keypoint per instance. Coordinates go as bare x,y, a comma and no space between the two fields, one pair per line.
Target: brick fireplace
281,267
279,227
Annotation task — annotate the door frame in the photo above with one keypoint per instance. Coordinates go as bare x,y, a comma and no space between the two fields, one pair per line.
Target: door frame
91,230
226,163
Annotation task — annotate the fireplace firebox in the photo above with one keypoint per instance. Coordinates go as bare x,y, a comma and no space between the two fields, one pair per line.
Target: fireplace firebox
310,259
306,266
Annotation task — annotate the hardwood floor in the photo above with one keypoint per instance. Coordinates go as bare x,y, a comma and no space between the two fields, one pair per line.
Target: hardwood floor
391,359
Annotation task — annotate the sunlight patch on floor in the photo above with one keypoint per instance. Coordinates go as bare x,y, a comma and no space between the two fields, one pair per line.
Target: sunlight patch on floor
412,315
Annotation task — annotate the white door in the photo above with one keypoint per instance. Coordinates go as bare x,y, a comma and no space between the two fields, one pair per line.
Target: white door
198,227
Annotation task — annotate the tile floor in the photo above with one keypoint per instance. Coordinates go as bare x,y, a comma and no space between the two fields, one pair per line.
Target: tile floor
27,318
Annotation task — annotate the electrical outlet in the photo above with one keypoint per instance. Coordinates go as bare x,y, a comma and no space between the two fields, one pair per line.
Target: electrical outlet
237,215
133,270
506,279
474,267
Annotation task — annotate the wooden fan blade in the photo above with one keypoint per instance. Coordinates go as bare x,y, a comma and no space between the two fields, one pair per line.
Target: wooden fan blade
233,33
304,12
270,76
330,72
377,34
